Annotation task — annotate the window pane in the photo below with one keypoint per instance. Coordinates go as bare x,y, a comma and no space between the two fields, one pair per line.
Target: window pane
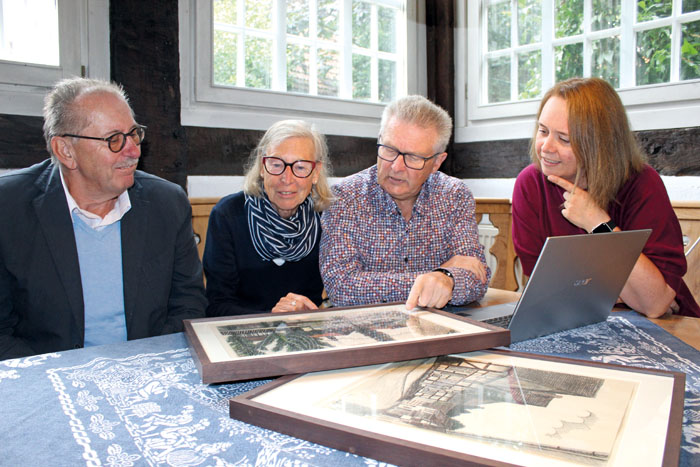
328,20
328,72
690,51
498,79
529,21
387,29
258,63
498,16
225,11
691,5
654,56
225,53
569,18
569,61
387,80
361,16
605,61
361,83
258,14
653,9
606,14
297,68
29,37
298,17
529,74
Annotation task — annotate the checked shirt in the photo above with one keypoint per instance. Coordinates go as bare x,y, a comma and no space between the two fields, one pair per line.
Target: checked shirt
371,254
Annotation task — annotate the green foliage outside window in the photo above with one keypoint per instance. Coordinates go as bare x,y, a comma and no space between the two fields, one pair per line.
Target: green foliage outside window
258,14
605,62
529,21
654,9
654,56
690,50
652,46
387,29
298,17
327,20
225,11
499,79
606,14
225,51
568,20
387,80
498,17
361,17
361,77
691,5
328,68
568,61
258,63
529,75
297,68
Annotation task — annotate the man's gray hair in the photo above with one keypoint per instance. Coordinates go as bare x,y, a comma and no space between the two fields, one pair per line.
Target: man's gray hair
419,111
61,116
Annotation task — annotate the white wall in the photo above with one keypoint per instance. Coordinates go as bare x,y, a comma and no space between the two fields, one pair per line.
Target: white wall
679,188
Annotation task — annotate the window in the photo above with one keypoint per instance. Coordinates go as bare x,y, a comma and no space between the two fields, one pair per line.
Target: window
43,41
648,50
248,63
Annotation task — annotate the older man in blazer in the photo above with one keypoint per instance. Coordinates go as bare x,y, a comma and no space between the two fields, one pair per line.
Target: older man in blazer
93,251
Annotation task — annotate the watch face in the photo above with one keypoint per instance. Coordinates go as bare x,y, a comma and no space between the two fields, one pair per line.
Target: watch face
605,227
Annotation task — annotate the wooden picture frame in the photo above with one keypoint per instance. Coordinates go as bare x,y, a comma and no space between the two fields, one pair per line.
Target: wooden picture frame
482,408
273,344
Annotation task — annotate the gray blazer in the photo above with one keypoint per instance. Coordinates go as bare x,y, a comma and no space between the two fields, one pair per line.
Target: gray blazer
41,297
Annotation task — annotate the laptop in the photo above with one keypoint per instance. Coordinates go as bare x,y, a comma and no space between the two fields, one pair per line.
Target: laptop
576,281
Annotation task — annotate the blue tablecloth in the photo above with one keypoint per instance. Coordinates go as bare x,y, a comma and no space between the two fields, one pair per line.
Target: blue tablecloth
143,402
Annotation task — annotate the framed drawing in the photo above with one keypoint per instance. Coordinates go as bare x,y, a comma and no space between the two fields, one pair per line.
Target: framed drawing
493,407
257,346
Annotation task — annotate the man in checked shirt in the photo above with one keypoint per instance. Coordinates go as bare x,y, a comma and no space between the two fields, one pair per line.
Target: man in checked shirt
400,230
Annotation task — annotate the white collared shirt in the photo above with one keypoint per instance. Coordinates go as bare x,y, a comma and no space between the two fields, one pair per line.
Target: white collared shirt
96,222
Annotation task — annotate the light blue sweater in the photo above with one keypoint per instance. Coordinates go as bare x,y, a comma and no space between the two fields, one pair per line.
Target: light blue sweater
100,258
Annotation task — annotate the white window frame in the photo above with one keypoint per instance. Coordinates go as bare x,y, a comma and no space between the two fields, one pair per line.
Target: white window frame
206,105
660,106
83,27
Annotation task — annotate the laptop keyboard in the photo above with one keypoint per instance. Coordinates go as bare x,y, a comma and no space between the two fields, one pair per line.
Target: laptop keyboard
500,321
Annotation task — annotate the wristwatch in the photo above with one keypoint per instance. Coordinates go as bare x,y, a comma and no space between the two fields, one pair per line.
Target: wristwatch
447,273
605,227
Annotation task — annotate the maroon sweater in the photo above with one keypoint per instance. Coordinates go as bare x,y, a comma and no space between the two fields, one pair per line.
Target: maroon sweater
641,203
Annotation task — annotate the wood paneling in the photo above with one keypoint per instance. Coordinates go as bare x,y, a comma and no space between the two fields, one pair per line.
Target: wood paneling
499,211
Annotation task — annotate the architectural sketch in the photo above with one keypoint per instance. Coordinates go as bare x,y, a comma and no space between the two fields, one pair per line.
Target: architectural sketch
317,332
557,414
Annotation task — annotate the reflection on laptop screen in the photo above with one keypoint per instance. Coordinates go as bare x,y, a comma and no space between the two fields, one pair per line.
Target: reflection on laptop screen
576,281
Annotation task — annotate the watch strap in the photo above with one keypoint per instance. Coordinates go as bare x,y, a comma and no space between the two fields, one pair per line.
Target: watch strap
605,227
447,273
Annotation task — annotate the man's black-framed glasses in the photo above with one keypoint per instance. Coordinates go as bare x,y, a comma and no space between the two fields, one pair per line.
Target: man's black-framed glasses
117,141
276,166
412,161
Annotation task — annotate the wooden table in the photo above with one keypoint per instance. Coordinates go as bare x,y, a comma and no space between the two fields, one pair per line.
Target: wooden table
684,328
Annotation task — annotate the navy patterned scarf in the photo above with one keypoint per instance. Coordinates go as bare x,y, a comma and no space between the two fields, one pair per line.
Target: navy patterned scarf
278,239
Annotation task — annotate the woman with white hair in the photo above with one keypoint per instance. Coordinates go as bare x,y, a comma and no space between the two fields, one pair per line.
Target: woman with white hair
261,253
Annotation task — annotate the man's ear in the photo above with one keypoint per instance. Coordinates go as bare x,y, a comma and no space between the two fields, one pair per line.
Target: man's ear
438,161
63,151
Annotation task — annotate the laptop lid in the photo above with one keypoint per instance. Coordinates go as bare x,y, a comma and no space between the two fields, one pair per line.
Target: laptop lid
576,281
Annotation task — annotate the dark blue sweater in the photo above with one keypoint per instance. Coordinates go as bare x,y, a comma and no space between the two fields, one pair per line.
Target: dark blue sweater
238,280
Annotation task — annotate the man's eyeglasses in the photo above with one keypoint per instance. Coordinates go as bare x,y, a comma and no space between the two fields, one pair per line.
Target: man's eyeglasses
276,166
412,161
117,141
